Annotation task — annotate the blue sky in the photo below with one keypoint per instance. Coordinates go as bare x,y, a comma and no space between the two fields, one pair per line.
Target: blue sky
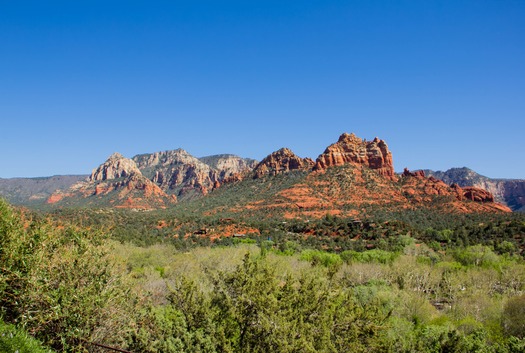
443,82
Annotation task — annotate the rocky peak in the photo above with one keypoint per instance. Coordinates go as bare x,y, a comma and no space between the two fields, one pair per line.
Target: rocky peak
282,161
351,149
116,166
177,171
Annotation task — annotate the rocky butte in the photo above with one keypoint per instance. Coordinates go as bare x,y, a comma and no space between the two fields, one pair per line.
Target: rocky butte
351,149
282,161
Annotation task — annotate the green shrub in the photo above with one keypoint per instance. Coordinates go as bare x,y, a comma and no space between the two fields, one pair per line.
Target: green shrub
514,316
318,257
370,256
477,255
57,283
13,340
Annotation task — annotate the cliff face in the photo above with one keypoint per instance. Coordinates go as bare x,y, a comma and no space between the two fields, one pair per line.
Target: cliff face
153,177
229,165
177,172
282,161
118,182
116,166
351,149
507,191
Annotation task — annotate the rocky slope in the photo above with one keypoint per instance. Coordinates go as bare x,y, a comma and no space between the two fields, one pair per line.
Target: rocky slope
282,161
351,149
510,192
117,182
348,190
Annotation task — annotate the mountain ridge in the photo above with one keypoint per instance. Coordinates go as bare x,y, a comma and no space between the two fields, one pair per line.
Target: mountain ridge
508,191
160,179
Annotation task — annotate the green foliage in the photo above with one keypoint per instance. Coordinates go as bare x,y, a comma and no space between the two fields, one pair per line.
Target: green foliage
370,256
255,309
374,287
477,255
289,247
13,340
514,316
244,241
318,257
165,329
56,283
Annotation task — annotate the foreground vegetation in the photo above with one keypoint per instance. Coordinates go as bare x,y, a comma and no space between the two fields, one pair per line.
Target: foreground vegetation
403,287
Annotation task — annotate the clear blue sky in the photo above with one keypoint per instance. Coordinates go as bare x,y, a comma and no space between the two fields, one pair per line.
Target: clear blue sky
443,82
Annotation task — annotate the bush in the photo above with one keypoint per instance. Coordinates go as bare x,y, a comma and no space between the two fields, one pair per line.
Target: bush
514,316
317,257
14,340
57,283
375,256
477,255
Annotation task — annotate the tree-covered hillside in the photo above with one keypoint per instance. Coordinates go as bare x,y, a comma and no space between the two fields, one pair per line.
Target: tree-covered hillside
425,282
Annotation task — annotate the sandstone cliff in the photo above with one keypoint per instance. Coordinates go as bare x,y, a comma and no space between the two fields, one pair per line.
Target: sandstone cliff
351,149
282,161
177,172
229,165
117,182
116,166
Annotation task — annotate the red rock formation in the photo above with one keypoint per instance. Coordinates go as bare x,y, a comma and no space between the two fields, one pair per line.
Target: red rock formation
507,191
54,198
282,161
476,194
119,182
421,188
351,149
417,173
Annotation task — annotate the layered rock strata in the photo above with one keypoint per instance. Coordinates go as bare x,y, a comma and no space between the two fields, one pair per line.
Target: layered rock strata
351,149
177,172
